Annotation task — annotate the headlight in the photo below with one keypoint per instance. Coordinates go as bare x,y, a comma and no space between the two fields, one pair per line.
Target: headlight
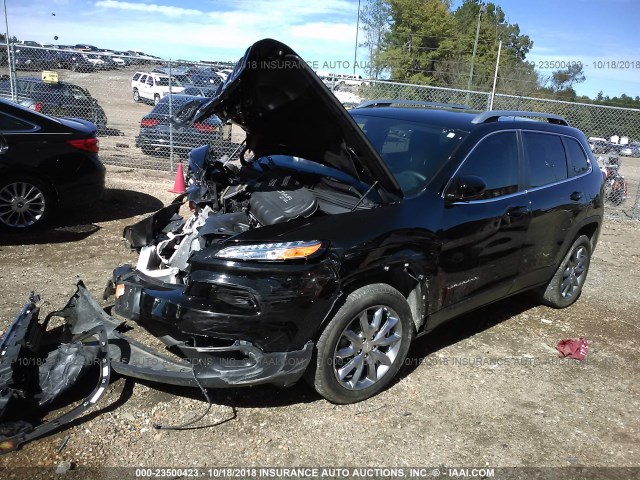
271,251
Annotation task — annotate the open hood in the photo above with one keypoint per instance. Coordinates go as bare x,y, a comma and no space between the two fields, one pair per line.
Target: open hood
286,109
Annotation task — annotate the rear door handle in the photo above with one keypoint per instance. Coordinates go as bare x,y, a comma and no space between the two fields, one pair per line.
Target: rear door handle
575,196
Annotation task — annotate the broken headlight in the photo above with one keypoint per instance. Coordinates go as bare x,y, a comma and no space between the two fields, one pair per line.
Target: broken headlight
271,251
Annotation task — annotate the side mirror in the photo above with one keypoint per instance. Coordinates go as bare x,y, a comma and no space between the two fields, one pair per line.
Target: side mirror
466,188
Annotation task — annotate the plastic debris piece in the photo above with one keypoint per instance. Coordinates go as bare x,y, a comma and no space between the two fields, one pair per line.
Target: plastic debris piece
572,348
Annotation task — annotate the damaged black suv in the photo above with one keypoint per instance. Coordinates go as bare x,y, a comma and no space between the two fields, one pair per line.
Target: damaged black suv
339,238
342,236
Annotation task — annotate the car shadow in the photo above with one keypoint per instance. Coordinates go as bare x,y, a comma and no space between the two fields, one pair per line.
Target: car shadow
463,327
71,225
451,332
268,396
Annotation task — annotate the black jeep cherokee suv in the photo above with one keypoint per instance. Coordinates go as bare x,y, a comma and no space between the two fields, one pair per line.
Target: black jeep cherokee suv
345,235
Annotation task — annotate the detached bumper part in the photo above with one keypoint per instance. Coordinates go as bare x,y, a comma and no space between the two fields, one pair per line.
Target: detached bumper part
38,365
29,350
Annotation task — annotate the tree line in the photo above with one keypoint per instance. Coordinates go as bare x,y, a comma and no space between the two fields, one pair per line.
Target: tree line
427,42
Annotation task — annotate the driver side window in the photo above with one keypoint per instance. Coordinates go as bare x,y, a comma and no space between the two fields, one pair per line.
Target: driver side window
495,160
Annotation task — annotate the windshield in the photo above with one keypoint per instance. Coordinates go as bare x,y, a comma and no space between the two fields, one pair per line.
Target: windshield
413,151
164,82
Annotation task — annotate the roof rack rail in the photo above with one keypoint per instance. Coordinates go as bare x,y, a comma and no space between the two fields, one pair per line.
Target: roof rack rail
494,115
416,103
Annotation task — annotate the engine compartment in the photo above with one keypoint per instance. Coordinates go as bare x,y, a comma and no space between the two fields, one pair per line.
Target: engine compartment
228,201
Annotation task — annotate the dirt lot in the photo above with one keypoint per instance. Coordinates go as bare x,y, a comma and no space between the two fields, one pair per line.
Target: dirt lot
485,390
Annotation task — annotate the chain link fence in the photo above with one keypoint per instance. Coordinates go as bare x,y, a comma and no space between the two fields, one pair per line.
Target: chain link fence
130,97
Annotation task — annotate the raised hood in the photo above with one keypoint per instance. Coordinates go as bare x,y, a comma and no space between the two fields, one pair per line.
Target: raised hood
286,109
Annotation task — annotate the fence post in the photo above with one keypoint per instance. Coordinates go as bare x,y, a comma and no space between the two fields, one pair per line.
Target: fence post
636,206
11,61
170,116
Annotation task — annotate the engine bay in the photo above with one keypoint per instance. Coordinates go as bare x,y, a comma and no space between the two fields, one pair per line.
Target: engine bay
227,200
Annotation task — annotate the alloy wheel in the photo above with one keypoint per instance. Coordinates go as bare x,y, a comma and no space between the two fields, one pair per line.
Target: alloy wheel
22,204
574,272
367,348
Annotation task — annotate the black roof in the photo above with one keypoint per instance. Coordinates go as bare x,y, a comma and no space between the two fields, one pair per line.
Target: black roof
465,119
451,118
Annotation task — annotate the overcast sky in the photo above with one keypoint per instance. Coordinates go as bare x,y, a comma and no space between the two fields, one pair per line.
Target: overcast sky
324,31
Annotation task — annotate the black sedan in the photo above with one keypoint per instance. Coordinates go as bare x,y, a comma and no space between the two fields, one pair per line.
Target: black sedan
45,163
156,132
60,99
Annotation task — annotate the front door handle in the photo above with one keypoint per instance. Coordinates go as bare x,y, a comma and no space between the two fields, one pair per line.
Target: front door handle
514,214
575,196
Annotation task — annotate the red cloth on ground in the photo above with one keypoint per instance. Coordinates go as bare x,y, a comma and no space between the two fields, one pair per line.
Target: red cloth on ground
571,348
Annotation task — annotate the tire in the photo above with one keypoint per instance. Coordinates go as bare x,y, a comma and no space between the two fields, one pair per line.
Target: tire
566,285
156,99
136,95
348,365
26,203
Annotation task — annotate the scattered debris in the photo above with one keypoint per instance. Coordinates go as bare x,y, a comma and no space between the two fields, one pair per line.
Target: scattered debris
571,348
63,467
63,444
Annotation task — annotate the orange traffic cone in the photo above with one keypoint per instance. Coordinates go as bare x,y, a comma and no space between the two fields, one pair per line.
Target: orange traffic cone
178,185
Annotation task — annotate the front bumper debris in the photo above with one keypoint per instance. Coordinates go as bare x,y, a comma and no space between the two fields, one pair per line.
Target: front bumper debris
38,364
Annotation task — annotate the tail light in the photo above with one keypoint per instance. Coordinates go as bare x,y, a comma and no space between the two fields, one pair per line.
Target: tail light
149,122
36,106
86,144
204,127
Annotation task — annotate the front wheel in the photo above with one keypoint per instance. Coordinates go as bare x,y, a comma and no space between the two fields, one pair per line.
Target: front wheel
364,345
566,285
136,95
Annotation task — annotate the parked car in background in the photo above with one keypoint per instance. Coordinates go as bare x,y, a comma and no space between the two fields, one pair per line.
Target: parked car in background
32,59
22,100
74,61
84,47
153,86
201,91
35,181
60,99
155,134
206,78
631,150
96,60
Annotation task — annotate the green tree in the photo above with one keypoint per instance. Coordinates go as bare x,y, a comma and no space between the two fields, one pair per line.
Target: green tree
516,75
563,80
375,17
420,36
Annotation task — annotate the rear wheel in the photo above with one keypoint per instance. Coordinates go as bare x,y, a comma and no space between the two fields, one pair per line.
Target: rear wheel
136,95
156,99
25,203
566,285
364,345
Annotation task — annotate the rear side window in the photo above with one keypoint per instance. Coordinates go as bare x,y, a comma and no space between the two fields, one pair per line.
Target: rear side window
13,124
150,80
495,160
578,162
546,159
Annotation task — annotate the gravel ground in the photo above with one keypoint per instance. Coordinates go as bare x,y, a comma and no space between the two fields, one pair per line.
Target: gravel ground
485,390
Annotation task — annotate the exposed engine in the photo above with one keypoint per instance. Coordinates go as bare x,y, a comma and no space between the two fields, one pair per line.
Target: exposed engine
229,201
